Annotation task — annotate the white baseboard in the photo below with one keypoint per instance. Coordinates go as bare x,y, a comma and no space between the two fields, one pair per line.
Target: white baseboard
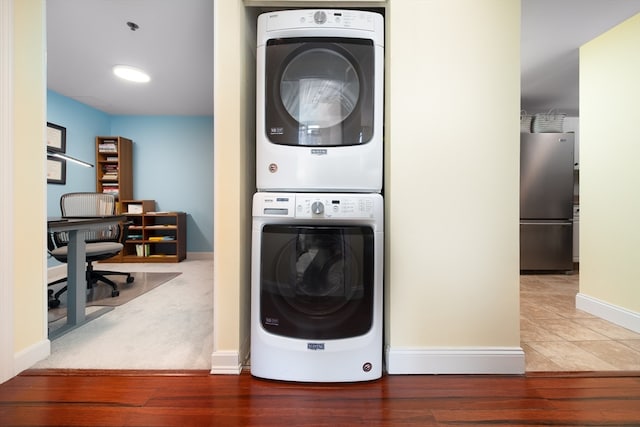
31,355
613,313
226,363
490,360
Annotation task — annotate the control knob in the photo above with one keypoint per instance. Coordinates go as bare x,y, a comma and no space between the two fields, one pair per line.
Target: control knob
320,17
317,208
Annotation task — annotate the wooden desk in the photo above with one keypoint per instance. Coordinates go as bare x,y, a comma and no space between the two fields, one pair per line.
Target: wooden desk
76,270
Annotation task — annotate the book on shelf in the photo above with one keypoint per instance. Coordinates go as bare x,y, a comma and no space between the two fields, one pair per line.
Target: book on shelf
108,147
111,189
160,238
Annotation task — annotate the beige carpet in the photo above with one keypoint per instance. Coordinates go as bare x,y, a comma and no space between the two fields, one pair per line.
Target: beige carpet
100,295
170,327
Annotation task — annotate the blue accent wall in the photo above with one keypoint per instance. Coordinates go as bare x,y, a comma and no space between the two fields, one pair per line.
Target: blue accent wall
173,165
172,161
83,124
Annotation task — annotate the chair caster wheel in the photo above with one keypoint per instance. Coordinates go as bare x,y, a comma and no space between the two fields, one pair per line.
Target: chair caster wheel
130,279
54,303
115,293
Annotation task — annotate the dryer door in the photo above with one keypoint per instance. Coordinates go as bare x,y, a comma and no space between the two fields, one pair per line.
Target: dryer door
319,91
316,282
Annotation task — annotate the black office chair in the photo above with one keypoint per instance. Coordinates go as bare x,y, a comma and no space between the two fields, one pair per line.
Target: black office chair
102,243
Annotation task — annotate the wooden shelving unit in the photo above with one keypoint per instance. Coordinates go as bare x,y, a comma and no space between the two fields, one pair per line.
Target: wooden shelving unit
114,167
153,236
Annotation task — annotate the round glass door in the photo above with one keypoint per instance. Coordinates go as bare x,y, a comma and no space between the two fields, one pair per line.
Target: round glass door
319,88
316,282
319,91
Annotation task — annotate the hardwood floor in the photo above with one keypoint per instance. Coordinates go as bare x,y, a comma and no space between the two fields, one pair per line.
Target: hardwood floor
195,398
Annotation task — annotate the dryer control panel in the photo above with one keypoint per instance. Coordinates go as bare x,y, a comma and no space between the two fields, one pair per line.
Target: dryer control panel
310,18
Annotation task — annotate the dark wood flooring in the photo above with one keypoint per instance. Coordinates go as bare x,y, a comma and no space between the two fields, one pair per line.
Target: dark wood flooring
195,398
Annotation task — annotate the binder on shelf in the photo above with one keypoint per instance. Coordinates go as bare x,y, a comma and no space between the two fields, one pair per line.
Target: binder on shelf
142,250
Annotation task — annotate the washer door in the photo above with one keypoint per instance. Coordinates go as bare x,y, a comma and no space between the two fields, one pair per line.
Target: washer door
316,282
319,91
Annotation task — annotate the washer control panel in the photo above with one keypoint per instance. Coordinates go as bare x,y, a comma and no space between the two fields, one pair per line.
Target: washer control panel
314,206
333,206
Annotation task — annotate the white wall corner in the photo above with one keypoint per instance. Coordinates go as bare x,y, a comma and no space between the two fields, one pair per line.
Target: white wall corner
226,363
31,355
7,243
612,313
474,360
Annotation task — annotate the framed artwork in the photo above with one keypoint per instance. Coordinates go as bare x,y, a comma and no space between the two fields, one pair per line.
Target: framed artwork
56,138
56,170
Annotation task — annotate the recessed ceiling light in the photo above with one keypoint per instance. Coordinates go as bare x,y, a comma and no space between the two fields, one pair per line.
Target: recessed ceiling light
131,73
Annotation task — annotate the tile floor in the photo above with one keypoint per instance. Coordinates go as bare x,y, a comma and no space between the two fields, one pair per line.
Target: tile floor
558,337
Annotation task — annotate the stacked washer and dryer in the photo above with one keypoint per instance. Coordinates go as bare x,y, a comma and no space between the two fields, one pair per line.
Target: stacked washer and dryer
317,235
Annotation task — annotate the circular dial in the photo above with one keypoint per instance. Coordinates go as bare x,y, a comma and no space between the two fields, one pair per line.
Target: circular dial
320,17
317,208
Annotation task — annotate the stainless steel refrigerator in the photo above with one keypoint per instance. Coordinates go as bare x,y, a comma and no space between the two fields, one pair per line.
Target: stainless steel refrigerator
546,201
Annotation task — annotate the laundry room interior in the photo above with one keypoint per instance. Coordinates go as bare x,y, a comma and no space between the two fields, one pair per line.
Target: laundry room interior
429,219
451,173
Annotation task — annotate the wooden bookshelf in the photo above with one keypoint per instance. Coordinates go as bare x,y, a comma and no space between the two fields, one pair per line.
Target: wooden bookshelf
154,237
114,167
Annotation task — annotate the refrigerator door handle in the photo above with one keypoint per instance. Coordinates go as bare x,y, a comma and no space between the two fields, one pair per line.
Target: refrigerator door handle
546,222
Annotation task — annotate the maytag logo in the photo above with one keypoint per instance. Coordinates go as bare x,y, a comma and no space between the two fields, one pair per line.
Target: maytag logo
318,151
315,346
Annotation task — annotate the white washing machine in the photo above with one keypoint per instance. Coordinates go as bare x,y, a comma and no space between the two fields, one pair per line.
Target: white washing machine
319,114
316,287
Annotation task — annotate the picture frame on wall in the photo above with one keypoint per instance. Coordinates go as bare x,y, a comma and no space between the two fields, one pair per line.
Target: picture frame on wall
56,171
56,138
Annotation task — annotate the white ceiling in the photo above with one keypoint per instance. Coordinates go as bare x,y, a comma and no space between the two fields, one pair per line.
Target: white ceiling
174,43
552,31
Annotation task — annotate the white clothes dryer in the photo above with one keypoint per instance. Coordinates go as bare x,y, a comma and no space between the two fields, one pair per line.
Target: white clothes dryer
316,287
319,106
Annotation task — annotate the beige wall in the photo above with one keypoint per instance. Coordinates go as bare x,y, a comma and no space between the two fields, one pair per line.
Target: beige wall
234,181
29,182
609,172
452,173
